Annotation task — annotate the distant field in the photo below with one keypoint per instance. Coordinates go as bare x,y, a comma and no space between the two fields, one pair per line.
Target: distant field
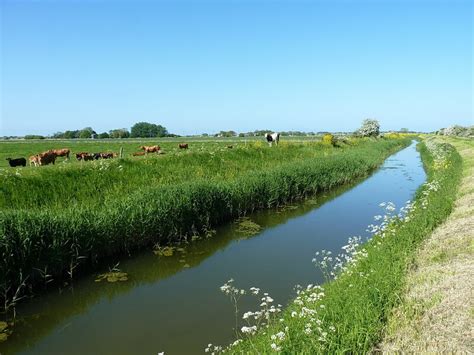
26,148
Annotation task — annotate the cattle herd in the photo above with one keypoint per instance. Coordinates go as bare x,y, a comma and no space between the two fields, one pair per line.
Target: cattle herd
49,157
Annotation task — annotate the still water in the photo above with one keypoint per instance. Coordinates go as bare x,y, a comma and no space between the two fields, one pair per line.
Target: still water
173,304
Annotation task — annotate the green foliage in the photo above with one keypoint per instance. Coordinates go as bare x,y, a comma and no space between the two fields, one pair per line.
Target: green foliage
86,132
54,216
147,130
104,135
33,136
329,139
119,133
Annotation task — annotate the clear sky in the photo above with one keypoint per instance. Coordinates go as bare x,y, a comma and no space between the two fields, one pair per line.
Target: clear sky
204,66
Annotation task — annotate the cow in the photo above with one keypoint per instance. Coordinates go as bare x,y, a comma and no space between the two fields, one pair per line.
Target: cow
84,156
272,137
97,156
106,155
64,152
47,158
34,160
150,149
230,146
16,162
183,146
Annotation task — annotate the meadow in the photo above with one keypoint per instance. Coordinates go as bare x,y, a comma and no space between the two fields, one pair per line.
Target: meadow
57,220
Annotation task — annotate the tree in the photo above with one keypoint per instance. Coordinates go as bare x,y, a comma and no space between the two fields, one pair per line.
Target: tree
146,130
104,135
86,132
119,133
369,128
71,134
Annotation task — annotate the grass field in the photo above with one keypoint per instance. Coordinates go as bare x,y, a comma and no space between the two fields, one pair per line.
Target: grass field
56,219
26,148
349,313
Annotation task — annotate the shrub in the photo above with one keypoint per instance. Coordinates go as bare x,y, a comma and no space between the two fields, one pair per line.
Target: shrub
329,139
369,128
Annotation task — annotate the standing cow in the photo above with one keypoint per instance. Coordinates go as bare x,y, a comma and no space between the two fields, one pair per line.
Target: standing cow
272,137
16,162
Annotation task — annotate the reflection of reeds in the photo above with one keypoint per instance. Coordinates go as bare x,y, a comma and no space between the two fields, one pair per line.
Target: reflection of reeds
158,200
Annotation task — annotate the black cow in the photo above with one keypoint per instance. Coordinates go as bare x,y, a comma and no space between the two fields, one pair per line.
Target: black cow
16,162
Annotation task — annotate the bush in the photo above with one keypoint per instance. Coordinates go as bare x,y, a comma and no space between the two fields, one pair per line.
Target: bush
329,139
370,128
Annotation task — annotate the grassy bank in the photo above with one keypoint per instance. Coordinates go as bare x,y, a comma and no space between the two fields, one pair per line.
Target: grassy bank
58,219
436,312
349,313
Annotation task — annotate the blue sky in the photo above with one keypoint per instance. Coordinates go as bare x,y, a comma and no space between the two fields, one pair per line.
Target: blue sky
205,66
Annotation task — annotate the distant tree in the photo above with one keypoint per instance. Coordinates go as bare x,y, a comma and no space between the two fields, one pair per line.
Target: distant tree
71,134
404,130
104,135
86,133
33,136
119,133
205,135
227,134
369,128
241,134
145,130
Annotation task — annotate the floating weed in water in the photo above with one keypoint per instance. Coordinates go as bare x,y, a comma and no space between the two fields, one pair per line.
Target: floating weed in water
286,208
247,227
112,276
4,332
164,251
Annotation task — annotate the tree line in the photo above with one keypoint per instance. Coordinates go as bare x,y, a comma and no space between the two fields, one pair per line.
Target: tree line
138,130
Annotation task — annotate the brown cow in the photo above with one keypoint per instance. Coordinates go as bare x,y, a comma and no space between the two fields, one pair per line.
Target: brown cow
183,146
150,149
34,160
84,156
64,152
107,155
47,158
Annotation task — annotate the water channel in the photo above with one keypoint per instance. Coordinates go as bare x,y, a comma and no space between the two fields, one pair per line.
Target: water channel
173,303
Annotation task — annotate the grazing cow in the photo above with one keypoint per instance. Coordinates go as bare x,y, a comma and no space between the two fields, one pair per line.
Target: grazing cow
34,160
137,154
183,146
150,149
97,156
107,155
64,152
16,162
272,137
47,158
230,146
84,156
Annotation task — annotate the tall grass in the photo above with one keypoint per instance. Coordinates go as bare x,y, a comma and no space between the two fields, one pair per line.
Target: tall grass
78,224
349,313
